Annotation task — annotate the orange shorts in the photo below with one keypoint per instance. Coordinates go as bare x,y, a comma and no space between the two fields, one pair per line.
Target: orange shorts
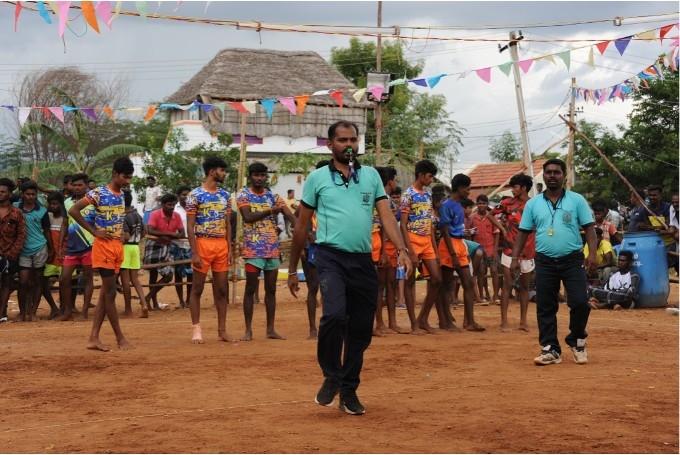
459,247
376,245
422,246
107,254
391,252
214,254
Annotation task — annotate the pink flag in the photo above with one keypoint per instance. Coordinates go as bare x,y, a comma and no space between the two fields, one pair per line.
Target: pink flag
289,103
484,74
377,91
104,12
63,16
525,65
58,112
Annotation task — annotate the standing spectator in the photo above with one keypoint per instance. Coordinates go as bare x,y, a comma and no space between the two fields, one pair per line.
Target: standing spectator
259,207
37,249
66,186
12,236
539,188
608,228
675,224
152,197
558,215
58,225
163,227
475,251
16,195
488,236
292,204
91,184
78,252
133,233
613,215
107,250
637,214
181,251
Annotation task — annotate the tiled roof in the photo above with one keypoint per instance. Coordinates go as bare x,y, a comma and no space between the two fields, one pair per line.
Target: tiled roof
495,174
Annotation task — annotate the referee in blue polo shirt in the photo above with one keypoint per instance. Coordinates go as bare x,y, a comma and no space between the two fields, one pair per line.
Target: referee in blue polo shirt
558,215
343,194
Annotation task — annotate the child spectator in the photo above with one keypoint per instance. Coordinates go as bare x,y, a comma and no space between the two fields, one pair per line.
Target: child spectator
133,233
487,235
58,226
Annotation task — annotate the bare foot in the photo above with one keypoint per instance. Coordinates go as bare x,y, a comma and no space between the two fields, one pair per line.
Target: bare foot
66,317
523,328
313,335
222,336
197,336
126,314
145,313
453,328
248,336
418,331
272,335
428,328
97,345
378,333
475,328
54,315
397,329
505,328
124,345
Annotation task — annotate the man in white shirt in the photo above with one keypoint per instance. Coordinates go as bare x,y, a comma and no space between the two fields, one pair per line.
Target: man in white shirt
621,291
152,199
181,250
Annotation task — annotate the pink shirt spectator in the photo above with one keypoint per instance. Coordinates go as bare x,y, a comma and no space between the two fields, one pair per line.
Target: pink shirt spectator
160,222
485,233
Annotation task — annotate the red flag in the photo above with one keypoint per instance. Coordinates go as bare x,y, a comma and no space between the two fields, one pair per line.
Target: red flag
662,31
88,13
238,106
17,12
602,46
337,96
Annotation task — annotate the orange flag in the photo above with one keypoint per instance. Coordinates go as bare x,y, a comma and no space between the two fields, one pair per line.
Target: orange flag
108,111
150,113
301,102
89,14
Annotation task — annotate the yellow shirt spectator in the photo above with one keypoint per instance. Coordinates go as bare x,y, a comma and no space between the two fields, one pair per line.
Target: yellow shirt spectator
602,249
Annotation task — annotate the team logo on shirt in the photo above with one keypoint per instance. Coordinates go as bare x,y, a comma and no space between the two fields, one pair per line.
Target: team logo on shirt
366,197
566,217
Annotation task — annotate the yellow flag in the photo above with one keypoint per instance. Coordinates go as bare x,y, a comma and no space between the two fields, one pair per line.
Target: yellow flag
359,94
591,57
648,35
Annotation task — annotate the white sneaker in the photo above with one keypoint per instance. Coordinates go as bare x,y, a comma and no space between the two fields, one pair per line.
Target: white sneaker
548,356
579,352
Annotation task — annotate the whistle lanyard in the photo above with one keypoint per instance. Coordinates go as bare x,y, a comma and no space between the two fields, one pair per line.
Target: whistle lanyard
553,211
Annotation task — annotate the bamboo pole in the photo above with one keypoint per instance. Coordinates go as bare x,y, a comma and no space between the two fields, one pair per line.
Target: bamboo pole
240,181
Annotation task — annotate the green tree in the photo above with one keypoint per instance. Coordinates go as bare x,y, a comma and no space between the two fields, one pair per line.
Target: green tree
505,149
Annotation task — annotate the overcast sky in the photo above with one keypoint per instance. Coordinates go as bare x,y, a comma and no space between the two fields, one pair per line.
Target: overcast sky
157,56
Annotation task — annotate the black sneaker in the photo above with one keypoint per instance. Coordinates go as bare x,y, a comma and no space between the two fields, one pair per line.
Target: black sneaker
349,402
326,394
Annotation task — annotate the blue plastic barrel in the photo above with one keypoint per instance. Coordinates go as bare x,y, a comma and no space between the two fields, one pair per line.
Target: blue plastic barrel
650,262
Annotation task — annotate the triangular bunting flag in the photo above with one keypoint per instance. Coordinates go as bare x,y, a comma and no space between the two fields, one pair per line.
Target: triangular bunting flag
602,46
359,94
321,92
108,111
141,8
54,7
207,107
337,96
45,112
58,113
268,105
505,67
289,103
591,57
24,112
433,81
401,81
6,106
69,108
17,12
566,58
238,107
186,107
484,74
42,10
377,91
87,9
221,107
622,43
63,16
663,31
649,35
90,112
420,82
525,64
549,58
251,106
301,102
104,13
116,10
462,75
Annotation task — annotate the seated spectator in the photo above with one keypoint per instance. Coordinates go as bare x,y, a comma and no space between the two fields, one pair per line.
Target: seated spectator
608,229
605,257
621,290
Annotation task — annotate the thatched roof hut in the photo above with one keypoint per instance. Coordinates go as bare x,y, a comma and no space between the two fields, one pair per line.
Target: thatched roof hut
254,74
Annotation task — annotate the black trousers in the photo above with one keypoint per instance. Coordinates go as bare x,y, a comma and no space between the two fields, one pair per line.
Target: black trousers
349,286
549,273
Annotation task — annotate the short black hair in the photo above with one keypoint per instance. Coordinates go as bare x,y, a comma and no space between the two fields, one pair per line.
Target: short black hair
459,180
599,206
257,168
91,180
321,164
29,185
556,161
8,183
168,197
213,162
483,198
626,253
55,196
127,196
654,187
151,177
467,203
522,180
80,176
438,193
66,179
181,189
425,167
291,191
341,124
123,165
397,190
386,173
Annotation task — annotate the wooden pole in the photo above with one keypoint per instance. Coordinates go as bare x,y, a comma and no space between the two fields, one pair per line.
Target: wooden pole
240,181
614,168
378,107
571,173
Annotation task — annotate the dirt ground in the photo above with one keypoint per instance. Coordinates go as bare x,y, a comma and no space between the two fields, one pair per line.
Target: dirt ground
460,392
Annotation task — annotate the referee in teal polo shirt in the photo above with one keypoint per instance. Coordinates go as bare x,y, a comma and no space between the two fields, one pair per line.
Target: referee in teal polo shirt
343,194
558,215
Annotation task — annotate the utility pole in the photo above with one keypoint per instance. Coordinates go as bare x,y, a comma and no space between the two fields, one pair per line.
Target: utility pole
526,152
572,144
378,107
